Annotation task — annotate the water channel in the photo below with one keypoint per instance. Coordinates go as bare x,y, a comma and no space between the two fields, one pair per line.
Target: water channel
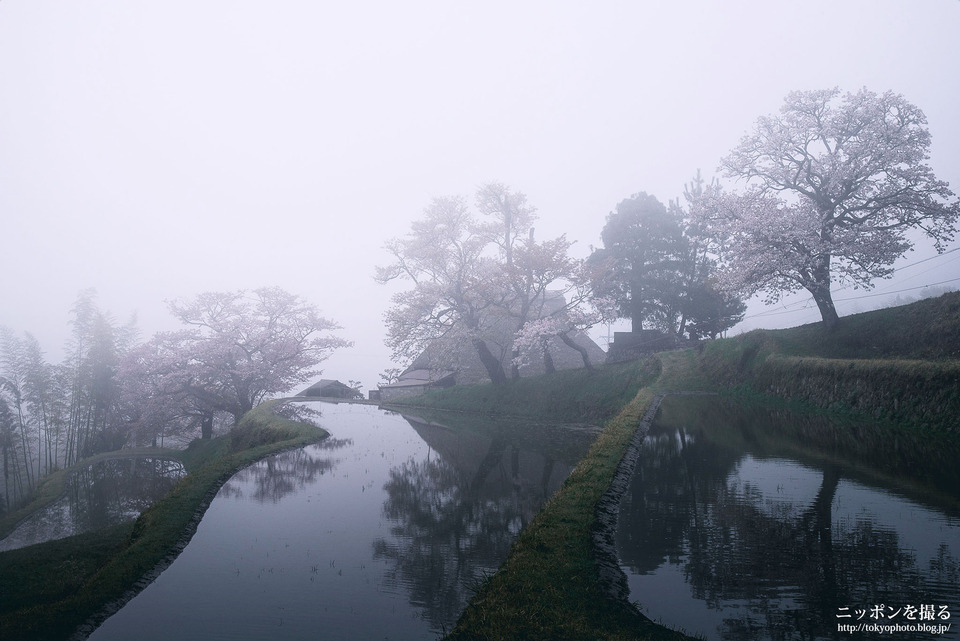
762,524
381,531
105,493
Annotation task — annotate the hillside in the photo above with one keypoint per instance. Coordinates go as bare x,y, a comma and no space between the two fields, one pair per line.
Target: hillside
926,330
900,365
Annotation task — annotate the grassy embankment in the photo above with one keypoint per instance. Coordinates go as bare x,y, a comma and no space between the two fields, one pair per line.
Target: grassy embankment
898,365
901,362
48,590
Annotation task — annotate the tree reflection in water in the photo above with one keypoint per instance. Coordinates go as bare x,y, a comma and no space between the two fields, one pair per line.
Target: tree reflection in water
375,547
105,493
282,474
455,515
756,525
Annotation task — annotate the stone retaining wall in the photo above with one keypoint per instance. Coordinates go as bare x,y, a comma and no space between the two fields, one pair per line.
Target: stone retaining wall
921,392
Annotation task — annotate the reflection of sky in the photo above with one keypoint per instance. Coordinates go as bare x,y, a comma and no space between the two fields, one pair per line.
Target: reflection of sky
781,483
785,485
921,529
294,567
52,522
669,602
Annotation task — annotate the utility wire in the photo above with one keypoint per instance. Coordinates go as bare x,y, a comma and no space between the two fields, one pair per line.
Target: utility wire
807,302
896,291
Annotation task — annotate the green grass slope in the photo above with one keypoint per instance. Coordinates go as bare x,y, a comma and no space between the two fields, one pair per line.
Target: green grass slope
574,396
927,330
900,365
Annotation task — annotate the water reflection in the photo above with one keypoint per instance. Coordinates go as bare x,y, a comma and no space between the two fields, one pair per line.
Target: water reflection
733,531
106,493
380,531
455,514
278,476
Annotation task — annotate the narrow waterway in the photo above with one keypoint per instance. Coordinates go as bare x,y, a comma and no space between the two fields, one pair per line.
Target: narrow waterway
381,531
96,496
760,524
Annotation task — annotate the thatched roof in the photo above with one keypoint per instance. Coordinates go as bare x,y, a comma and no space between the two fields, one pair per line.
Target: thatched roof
460,355
329,388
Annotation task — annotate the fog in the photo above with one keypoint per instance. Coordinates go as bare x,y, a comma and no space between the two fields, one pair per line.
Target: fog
157,150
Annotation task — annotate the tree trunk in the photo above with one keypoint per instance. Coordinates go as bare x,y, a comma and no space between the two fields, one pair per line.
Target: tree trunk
514,369
6,480
548,465
636,300
636,311
490,362
206,426
548,366
569,342
820,288
819,516
828,312
490,461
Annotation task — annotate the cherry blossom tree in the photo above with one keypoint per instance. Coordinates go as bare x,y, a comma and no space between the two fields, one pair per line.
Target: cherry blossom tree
455,283
511,217
541,275
162,390
475,279
579,313
238,348
537,274
834,184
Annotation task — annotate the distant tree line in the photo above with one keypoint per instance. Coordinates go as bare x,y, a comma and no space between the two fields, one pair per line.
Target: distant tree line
833,185
110,391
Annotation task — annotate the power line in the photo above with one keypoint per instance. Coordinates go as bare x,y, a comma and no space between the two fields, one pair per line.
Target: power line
807,303
897,291
929,258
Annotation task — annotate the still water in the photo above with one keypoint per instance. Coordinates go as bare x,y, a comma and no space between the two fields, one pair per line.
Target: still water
381,531
102,494
760,524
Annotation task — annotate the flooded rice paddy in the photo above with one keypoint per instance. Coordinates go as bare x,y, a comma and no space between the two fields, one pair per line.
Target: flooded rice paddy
761,524
381,531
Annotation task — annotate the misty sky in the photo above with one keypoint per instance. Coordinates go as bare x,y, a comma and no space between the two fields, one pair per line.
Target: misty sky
155,150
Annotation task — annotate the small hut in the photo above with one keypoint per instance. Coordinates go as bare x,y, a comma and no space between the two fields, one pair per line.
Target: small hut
417,381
